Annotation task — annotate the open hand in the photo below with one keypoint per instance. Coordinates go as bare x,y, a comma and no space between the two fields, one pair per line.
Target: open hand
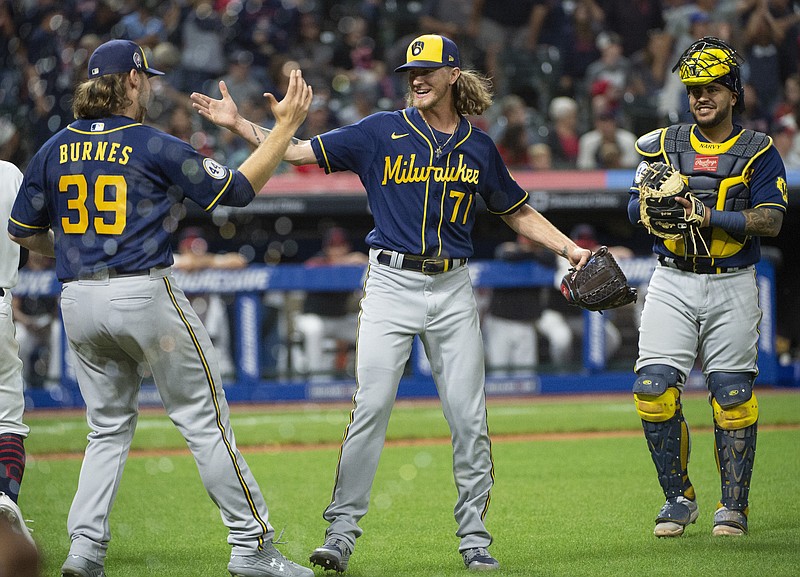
292,110
222,112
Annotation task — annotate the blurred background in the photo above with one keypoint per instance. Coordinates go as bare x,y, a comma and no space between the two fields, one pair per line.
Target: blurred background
576,82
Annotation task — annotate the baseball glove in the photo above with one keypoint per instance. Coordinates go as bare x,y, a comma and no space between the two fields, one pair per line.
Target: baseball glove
659,212
599,285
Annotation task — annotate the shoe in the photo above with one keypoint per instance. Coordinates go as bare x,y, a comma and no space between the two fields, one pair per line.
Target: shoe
676,513
10,510
269,562
333,555
77,566
479,559
729,522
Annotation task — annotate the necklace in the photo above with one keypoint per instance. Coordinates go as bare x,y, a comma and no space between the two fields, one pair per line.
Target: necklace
439,147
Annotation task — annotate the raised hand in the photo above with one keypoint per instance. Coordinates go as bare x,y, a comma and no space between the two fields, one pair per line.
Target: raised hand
292,110
222,112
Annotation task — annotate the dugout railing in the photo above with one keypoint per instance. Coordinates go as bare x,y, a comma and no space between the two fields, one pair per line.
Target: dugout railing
246,290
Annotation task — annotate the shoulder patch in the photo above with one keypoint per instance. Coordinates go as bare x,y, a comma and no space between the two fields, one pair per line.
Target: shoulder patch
214,169
637,177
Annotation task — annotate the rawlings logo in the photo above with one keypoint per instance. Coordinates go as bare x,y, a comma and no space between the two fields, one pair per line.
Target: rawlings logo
706,163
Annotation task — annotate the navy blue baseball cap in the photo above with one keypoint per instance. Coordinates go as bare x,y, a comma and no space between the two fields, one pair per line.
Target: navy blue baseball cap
119,56
431,51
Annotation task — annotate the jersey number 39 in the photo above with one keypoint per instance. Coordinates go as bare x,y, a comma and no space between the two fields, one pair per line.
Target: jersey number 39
111,212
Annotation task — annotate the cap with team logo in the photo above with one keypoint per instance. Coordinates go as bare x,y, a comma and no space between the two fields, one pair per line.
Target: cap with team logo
431,51
119,56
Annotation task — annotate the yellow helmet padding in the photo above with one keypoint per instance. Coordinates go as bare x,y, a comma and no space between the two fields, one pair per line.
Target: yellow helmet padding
707,65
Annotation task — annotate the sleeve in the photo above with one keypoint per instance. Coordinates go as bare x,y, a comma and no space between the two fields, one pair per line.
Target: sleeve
202,179
350,147
500,191
768,185
29,215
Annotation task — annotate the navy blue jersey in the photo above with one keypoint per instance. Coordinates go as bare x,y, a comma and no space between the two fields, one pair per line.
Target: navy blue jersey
107,188
421,204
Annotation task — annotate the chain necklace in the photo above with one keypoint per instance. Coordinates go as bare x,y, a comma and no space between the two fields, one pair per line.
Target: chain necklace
439,147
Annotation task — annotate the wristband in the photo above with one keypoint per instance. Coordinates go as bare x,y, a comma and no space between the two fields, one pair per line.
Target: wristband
727,220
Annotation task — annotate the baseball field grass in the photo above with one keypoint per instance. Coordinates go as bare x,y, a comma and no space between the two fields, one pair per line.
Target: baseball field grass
575,492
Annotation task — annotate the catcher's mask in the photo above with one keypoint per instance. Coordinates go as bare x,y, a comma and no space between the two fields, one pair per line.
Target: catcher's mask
712,60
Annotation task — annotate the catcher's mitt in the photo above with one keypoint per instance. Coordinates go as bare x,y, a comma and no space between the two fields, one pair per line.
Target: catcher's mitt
599,285
659,212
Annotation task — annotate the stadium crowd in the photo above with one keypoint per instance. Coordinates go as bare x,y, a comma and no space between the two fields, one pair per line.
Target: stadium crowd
576,81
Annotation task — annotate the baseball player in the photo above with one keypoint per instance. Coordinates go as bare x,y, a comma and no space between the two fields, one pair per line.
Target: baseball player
702,301
100,195
422,168
12,402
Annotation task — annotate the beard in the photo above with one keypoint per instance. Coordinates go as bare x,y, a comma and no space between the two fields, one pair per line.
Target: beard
719,116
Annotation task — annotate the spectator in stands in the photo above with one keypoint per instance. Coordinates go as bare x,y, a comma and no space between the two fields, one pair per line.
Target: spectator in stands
193,256
581,50
38,327
541,156
451,18
634,22
312,54
645,83
607,145
564,135
243,81
608,75
202,46
499,26
143,25
329,315
518,315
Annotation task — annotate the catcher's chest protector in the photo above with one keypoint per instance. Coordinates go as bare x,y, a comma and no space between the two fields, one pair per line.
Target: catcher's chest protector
715,170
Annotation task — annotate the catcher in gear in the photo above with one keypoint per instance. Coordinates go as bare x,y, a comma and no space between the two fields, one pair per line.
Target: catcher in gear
707,192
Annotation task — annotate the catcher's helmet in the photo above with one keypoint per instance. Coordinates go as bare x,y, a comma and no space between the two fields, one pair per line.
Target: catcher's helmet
712,60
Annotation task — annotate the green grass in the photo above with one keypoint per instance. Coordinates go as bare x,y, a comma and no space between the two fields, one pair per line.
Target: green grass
560,507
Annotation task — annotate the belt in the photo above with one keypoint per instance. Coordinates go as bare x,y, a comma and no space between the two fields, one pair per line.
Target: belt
698,268
109,273
425,265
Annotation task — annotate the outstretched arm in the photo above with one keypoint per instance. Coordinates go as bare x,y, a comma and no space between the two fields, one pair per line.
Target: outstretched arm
289,114
530,223
224,112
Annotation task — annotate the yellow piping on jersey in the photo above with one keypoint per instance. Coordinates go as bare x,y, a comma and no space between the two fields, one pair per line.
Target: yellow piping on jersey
28,226
213,388
701,147
221,192
104,131
427,182
324,155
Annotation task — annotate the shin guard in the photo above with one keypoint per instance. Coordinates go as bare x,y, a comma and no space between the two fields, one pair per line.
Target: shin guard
735,451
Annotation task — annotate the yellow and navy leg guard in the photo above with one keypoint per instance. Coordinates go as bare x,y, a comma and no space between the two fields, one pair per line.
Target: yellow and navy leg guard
657,399
735,428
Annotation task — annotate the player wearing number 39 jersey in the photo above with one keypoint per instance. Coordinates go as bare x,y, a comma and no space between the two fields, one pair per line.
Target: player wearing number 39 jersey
102,196
423,169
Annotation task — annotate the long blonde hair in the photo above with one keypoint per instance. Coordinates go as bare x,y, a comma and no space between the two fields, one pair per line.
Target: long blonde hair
101,97
472,93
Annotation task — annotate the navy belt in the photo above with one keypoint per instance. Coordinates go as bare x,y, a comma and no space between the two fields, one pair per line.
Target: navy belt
425,265
112,273
698,268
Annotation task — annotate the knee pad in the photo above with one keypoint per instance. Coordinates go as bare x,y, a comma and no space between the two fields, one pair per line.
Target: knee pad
733,400
656,394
